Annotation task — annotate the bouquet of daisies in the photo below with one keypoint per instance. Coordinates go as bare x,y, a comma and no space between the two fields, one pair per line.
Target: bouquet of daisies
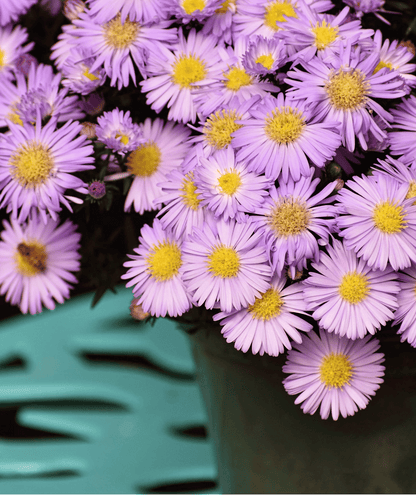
263,148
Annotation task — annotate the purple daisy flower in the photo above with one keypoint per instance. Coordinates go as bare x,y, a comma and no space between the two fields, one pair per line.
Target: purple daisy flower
191,10
292,219
279,137
174,73
12,47
155,273
395,57
377,221
117,44
225,265
118,132
37,166
347,296
37,262
334,373
403,140
77,73
264,56
399,171
183,210
342,90
163,148
267,324
405,314
368,7
311,33
234,82
227,188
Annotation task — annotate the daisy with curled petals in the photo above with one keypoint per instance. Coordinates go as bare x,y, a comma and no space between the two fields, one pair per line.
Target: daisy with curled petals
118,132
174,74
12,47
280,136
225,265
292,219
154,271
264,56
377,221
37,166
405,314
37,262
267,324
334,373
162,149
402,139
311,34
119,45
343,88
347,296
227,188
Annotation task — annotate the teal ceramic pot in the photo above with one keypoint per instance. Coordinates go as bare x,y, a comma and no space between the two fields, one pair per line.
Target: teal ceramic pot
266,444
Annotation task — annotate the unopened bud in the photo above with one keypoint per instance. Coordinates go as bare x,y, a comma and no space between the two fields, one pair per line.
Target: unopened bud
339,185
409,45
294,274
136,310
88,129
72,9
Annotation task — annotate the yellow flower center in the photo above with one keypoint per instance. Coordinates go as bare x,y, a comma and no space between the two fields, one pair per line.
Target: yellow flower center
381,65
219,126
144,160
118,35
289,217
229,182
224,262
267,306
411,193
275,12
189,196
336,370
389,217
14,116
31,258
236,78
31,164
188,70
225,6
347,89
123,138
189,6
88,74
353,287
164,260
2,58
324,34
285,125
265,60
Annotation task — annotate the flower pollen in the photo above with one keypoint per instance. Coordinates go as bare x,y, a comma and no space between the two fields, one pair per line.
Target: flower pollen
164,260
236,78
289,217
31,164
119,35
336,370
189,196
389,217
144,160
225,6
353,287
31,258
275,12
224,262
229,182
347,90
189,6
381,65
267,306
219,126
88,75
324,34
265,60
285,125
123,138
187,70
411,192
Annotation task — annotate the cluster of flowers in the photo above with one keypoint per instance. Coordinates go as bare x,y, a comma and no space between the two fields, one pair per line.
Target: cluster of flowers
262,96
